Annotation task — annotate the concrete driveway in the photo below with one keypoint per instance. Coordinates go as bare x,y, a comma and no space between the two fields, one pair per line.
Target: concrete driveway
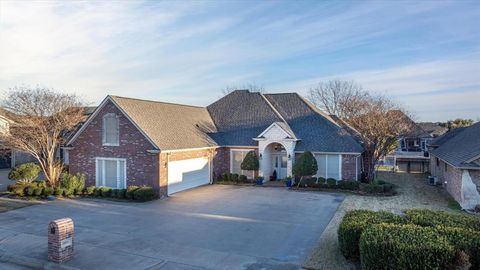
212,227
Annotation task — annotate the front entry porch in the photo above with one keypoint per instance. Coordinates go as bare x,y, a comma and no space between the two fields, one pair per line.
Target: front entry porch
274,165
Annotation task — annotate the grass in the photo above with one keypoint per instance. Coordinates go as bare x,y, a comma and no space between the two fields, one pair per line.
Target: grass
9,205
454,205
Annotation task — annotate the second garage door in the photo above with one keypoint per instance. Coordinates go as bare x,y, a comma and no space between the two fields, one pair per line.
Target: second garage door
189,173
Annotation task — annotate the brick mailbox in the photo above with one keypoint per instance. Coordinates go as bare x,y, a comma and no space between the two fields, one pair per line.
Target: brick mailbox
60,240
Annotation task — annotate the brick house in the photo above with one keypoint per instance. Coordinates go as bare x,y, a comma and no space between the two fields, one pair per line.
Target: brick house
455,161
174,147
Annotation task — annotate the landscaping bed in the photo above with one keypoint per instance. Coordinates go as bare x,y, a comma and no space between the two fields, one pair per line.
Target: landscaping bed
412,192
377,188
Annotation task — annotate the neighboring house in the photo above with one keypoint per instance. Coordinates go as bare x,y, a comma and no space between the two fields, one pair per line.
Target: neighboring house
174,147
9,158
434,129
455,161
411,154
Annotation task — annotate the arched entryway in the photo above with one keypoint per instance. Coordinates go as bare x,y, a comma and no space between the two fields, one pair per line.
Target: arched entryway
275,161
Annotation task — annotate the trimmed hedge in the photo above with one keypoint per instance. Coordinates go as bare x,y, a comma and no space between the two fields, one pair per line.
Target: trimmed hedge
463,240
90,191
144,194
130,190
353,224
242,178
308,182
105,191
38,191
48,191
348,185
425,217
392,246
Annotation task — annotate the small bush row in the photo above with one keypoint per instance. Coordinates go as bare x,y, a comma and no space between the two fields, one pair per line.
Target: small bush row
233,177
377,187
136,193
423,239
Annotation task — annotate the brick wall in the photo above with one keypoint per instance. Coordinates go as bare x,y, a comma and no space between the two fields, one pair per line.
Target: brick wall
451,175
142,167
349,167
221,162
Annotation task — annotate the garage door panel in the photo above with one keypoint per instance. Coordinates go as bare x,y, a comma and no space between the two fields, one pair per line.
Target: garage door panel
185,174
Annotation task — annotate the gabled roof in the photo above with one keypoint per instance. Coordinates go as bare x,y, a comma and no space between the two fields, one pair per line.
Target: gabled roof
283,126
445,137
168,126
316,130
460,148
415,130
240,116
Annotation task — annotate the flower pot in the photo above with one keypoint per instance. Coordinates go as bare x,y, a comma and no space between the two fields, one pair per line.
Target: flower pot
288,183
259,182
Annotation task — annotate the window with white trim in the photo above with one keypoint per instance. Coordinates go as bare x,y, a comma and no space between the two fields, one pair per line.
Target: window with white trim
110,130
329,166
236,159
111,172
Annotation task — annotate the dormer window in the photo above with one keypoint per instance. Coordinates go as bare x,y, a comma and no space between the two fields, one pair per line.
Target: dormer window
110,130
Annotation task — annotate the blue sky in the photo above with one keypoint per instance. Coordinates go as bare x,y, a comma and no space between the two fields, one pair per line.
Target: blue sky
424,54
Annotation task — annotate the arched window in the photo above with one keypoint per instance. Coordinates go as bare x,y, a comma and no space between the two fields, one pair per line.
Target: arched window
110,130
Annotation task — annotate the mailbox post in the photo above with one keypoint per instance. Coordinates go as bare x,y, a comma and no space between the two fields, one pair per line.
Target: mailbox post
60,240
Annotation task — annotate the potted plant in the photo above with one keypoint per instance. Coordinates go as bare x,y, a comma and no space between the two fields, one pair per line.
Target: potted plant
288,181
259,181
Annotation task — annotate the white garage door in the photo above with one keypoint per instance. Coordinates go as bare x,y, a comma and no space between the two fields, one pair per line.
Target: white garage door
185,174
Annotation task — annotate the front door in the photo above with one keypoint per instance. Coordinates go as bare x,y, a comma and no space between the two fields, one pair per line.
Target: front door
280,165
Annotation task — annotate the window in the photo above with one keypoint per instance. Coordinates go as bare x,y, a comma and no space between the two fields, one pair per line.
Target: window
438,161
236,158
329,166
111,172
110,130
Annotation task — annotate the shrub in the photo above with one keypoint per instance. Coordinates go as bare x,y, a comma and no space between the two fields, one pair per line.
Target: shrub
19,190
90,191
130,191
305,165
250,162
308,182
348,185
464,240
425,217
115,193
121,193
67,192
72,182
242,179
29,191
331,183
38,191
97,192
371,188
353,224
225,177
391,246
58,191
321,180
144,194
234,177
41,183
26,172
105,191
48,191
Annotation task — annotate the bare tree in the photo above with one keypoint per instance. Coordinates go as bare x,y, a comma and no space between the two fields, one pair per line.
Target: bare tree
41,118
253,87
376,120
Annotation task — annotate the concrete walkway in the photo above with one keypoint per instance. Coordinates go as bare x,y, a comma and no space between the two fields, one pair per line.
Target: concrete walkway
212,227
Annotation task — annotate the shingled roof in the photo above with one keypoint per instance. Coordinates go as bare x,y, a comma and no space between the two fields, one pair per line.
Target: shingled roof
169,126
235,120
316,130
241,116
460,148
